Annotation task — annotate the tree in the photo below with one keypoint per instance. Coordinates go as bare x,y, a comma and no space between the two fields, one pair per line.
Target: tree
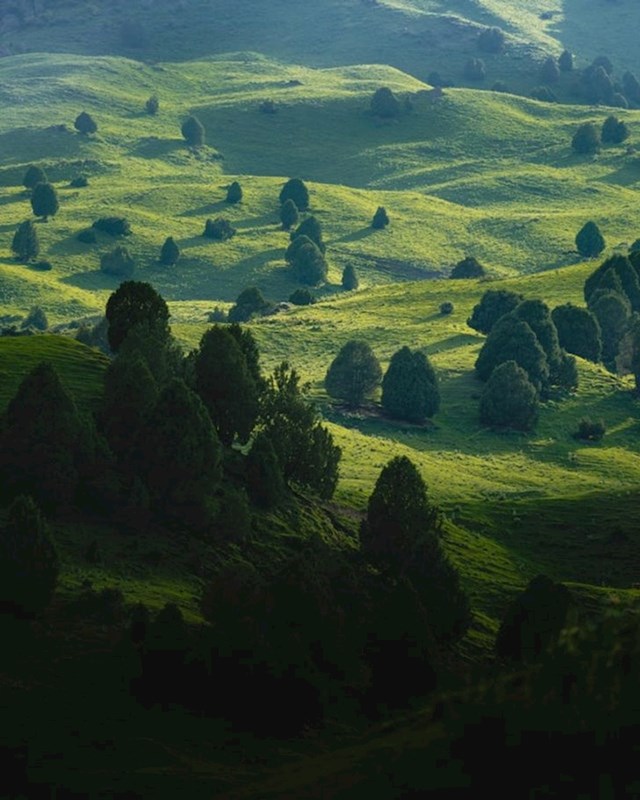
193,131
380,218
307,262
578,331
114,226
586,139
491,40
509,399
589,241
311,228
29,564
36,318
614,131
294,189
288,214
617,274
234,193
613,312
631,87
302,297
538,317
152,105
384,103
132,303
25,242
265,480
250,351
44,201
549,71
565,61
84,123
493,305
33,176
250,303
169,253
219,229
353,374
226,385
469,267
474,70
410,387
350,280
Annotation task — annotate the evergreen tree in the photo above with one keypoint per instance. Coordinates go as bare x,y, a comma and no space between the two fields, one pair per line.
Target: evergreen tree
491,40
350,280
410,387
36,318
493,305
538,317
353,374
578,331
25,242
302,297
250,351
132,303
311,228
250,303
152,105
617,274
234,193
509,399
193,131
169,253
33,176
613,312
589,240
586,139
265,480
85,123
307,262
550,71
384,103
294,189
614,131
631,87
44,201
565,62
29,564
469,267
380,218
289,214
219,229
117,262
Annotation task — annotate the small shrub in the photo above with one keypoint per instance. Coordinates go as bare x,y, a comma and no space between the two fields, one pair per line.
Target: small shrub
350,280
268,107
87,236
152,105
43,266
446,308
118,262
302,297
217,315
590,430
380,218
114,226
469,267
219,229
79,182
491,40
84,123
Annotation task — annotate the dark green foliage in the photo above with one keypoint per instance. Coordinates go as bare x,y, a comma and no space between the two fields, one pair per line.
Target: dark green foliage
597,82
550,71
613,312
586,139
268,107
509,399
469,267
79,182
25,242
233,518
307,262
410,387
589,240
491,40
565,61
305,449
169,253
619,101
84,123
95,336
533,621
380,218
384,103
499,86
132,303
617,274
614,131
87,236
590,430
538,317
44,201
193,131
474,70
289,214
302,297
311,228
265,480
152,105
33,176
544,94
43,266
219,229
353,374
511,339
350,280
446,308
37,319
29,565
250,303
114,226
234,193
578,331
631,87
493,305
152,340
250,351
294,189
226,385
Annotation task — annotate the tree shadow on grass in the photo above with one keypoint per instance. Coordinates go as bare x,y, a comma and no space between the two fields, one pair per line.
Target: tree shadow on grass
356,236
154,147
627,175
208,210
95,280
453,342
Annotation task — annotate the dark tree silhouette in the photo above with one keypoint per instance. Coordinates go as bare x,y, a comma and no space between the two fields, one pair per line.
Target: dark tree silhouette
410,387
549,71
44,201
84,123
614,131
289,214
219,229
169,253
33,176
589,240
491,40
234,193
311,228
613,312
25,242
578,331
384,103
586,139
469,267
380,218
307,262
493,305
565,61
353,374
265,480
152,105
350,280
132,303
250,303
118,262
294,189
193,131
617,274
509,399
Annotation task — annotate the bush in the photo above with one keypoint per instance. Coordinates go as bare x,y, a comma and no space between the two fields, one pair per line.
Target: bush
152,105
193,131
43,266
380,218
350,280
578,331
302,297
234,193
84,123
493,305
590,430
219,229
217,315
36,318
169,253
250,303
410,387
25,242
469,267
384,103
353,374
114,226
117,262
33,176
446,308
87,236
565,62
586,139
79,182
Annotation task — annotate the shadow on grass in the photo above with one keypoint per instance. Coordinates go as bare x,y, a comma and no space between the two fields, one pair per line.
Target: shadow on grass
453,342
363,233
94,280
205,211
154,147
627,175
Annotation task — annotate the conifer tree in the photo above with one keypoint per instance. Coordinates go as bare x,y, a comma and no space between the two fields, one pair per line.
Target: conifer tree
169,253
350,280
289,214
33,176
234,193
311,228
193,131
493,305
578,331
85,123
410,387
511,339
132,303
353,374
589,240
380,218
295,189
509,399
44,201
25,242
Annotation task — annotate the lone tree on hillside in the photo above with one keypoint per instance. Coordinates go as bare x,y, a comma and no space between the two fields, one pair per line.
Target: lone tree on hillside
614,131
469,267
350,280
509,399
384,103
549,71
169,253
589,240
25,242
289,214
152,105
410,387
44,201
565,61
117,262
578,331
380,218
234,193
132,303
493,305
33,176
84,123
219,229
294,189
193,131
353,374
586,139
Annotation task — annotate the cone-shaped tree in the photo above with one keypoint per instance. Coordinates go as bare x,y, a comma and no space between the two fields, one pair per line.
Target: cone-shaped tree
33,176
29,565
613,312
311,228
25,242
251,352
578,331
234,193
469,267
511,339
586,140
538,317
380,218
589,240
193,131
509,399
614,131
353,374
134,302
350,280
617,274
265,481
219,229
84,123
294,189
565,61
44,201
410,387
289,214
384,103
493,305
169,253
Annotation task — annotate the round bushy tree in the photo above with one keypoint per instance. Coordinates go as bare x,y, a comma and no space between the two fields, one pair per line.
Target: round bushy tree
169,253
294,189
493,305
25,242
578,331
350,280
586,139
311,228
33,176
234,193
193,131
617,274
250,303
289,214
353,374
384,103
84,123
509,399
410,387
469,267
614,131
589,240
36,318
132,303
302,297
44,201
117,262
380,218
538,317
